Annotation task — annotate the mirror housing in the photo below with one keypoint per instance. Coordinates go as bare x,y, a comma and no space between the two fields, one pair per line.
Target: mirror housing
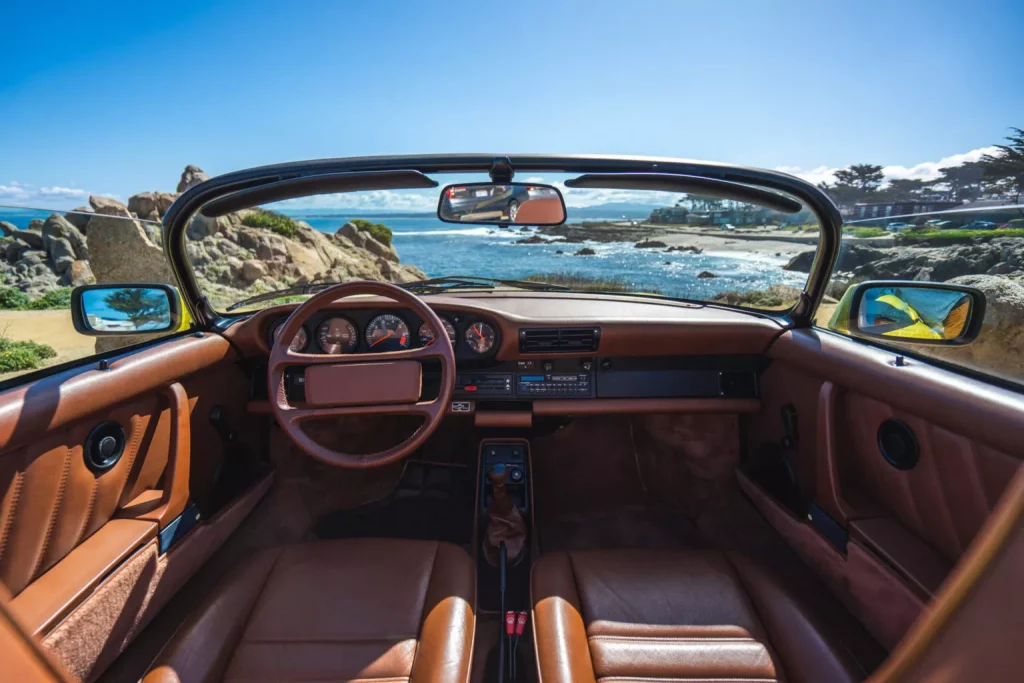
501,204
125,309
915,312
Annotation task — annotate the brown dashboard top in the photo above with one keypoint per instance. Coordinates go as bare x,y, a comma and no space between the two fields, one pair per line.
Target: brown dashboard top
629,326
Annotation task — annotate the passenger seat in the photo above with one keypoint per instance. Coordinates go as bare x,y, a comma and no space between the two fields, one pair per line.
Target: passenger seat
643,615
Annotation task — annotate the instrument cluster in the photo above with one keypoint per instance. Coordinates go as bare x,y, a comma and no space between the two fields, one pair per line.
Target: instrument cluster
365,331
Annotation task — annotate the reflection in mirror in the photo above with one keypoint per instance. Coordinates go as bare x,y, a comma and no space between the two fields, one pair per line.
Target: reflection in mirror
501,203
124,310
915,313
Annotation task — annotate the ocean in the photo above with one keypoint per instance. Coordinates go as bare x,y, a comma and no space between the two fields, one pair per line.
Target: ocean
445,249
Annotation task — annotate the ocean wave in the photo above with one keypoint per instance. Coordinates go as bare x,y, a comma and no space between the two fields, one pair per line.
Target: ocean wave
472,232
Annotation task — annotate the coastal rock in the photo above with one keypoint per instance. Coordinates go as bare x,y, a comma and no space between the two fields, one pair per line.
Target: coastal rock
705,275
7,228
1000,345
79,217
559,251
30,237
14,250
108,206
650,244
80,274
690,249
150,206
57,226
533,239
120,251
192,175
253,270
585,251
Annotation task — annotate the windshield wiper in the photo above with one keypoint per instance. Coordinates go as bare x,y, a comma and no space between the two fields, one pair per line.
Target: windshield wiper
450,282
278,293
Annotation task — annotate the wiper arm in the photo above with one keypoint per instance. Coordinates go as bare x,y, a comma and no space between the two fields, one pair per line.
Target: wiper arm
449,282
276,294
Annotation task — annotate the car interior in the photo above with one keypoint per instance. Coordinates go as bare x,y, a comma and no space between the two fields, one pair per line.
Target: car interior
563,486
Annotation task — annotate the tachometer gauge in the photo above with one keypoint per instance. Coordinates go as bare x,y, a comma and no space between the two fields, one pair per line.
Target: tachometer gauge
337,335
299,341
387,332
426,332
480,337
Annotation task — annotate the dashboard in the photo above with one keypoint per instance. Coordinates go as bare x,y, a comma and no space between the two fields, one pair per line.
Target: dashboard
542,353
378,330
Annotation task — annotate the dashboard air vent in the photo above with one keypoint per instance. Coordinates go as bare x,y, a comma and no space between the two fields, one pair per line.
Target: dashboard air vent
559,340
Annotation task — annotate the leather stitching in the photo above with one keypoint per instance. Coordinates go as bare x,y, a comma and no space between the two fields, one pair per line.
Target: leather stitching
423,609
133,451
54,514
87,517
13,508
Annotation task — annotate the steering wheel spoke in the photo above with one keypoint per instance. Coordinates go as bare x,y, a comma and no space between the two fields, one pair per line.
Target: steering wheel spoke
290,417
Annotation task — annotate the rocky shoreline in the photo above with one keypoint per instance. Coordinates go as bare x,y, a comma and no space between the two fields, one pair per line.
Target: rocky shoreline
108,241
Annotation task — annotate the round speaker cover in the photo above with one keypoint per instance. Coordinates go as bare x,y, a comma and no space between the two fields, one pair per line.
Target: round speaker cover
898,444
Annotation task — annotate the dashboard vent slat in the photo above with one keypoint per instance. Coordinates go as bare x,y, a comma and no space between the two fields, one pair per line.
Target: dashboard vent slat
559,340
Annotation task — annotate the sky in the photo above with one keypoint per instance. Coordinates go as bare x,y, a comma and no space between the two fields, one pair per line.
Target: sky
117,97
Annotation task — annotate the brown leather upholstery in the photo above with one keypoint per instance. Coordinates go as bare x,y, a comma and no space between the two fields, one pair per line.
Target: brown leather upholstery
640,615
354,609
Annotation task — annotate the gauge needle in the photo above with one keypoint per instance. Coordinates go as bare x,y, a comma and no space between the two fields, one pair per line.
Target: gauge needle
386,336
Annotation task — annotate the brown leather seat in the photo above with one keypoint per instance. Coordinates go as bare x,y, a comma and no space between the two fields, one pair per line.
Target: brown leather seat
644,615
355,609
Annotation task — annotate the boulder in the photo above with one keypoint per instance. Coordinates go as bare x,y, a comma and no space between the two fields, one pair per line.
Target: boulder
532,239
650,244
109,206
253,270
585,251
57,247
192,175
59,227
120,251
14,250
201,227
705,275
144,206
79,217
354,235
80,274
62,264
7,228
999,348
30,237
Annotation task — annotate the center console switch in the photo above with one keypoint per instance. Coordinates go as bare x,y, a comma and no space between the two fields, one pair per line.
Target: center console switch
511,456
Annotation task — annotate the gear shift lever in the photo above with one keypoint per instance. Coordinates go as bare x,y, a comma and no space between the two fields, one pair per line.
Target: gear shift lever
504,523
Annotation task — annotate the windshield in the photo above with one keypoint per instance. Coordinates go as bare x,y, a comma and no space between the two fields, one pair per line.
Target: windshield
667,244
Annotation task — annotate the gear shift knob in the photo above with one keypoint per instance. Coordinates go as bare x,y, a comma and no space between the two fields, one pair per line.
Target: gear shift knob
497,474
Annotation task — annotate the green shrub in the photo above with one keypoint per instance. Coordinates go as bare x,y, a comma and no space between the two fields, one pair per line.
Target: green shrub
273,221
12,299
23,355
378,231
52,300
776,296
865,232
958,234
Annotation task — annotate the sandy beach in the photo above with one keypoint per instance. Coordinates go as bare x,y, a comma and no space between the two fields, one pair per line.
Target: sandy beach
48,327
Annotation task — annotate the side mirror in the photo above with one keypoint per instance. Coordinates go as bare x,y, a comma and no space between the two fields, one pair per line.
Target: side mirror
916,312
501,204
125,309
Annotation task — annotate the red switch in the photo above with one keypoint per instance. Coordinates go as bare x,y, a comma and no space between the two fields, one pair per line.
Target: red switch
469,387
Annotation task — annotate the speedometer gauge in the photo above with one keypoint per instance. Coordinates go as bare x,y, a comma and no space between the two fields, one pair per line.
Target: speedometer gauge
426,332
299,341
387,332
337,335
480,337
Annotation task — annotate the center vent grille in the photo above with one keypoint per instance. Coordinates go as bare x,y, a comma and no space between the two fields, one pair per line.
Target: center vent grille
559,340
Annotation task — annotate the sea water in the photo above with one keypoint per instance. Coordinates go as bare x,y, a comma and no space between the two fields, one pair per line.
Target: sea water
440,249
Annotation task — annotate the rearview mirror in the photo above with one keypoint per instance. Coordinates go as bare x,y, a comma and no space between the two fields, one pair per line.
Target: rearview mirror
916,312
100,310
501,204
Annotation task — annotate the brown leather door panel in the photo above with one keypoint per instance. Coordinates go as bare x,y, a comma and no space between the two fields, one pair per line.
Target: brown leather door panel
65,527
912,524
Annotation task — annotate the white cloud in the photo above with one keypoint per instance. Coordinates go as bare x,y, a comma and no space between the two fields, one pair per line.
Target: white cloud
373,200
53,197
926,170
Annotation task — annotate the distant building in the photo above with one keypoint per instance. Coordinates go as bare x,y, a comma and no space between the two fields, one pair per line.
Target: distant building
668,214
903,207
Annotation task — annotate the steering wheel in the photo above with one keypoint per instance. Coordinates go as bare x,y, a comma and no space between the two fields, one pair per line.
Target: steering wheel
386,383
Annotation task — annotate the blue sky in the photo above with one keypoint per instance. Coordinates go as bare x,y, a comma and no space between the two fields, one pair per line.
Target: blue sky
117,98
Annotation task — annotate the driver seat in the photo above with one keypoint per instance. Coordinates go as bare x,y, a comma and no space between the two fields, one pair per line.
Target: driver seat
361,609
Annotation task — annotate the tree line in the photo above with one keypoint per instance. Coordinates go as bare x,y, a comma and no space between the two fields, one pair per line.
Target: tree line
1001,173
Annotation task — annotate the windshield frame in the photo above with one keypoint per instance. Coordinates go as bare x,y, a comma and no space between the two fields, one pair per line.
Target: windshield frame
191,202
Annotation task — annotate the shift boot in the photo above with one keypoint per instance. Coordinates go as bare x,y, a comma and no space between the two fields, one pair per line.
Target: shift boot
504,523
